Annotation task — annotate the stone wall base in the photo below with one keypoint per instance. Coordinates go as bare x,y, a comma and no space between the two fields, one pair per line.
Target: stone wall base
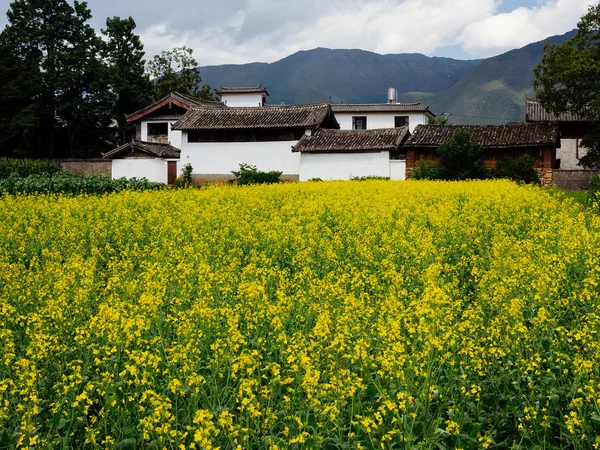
87,166
546,177
573,180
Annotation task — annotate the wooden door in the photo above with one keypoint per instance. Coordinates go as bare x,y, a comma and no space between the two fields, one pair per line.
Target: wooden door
171,172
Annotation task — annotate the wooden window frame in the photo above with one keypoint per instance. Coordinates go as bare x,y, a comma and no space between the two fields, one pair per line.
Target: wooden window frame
405,119
362,118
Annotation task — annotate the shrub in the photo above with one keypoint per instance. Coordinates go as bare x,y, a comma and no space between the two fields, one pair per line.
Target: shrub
67,183
426,172
249,174
459,159
520,169
594,190
186,175
315,179
439,120
25,167
591,141
369,177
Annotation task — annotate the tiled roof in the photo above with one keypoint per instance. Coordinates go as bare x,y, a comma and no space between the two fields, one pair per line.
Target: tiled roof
292,116
183,99
152,149
164,117
194,101
382,107
243,90
341,141
517,135
535,112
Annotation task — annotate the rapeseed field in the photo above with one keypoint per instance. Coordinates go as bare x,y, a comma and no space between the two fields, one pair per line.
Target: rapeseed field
357,315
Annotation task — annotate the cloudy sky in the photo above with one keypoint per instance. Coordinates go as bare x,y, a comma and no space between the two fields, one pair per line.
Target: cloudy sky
240,31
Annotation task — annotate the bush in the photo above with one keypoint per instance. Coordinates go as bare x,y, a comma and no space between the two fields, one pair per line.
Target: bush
460,159
186,174
594,190
369,177
67,183
426,172
249,174
315,179
520,169
25,167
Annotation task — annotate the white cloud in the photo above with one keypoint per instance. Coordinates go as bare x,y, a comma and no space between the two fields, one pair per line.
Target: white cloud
240,31
502,32
266,33
396,27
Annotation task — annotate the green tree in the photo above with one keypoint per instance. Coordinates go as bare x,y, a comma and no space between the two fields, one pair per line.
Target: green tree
568,78
521,169
439,120
55,52
459,159
177,70
84,100
124,54
19,117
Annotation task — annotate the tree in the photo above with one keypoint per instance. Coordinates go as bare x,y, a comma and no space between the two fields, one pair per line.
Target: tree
568,78
521,169
177,70
64,96
83,97
124,54
439,120
19,118
459,159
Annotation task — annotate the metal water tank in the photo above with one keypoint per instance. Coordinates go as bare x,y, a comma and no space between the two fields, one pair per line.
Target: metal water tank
392,95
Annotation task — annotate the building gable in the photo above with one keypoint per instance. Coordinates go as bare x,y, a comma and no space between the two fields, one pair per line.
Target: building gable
172,103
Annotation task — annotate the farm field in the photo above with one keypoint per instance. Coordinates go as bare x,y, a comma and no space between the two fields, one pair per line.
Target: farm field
356,315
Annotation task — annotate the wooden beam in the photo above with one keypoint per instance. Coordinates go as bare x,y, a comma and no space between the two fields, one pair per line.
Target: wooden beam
170,101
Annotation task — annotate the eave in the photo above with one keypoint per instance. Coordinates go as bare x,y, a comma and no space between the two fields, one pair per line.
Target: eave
166,102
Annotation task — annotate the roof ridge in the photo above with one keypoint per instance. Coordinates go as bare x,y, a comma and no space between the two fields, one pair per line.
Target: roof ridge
259,108
348,141
372,130
500,136
283,116
377,104
168,150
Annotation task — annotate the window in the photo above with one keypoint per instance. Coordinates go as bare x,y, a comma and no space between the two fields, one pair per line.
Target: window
254,135
158,133
359,123
156,129
400,121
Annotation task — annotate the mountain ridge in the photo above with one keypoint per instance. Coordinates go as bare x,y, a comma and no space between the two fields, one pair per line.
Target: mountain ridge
490,90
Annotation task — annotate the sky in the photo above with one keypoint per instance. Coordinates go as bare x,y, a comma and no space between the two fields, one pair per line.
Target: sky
242,31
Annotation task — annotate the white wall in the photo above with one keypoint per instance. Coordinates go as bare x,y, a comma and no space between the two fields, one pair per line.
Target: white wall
220,158
397,169
569,153
154,170
174,136
242,100
343,166
380,120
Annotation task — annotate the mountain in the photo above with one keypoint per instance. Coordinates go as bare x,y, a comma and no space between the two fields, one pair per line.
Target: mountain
494,91
350,76
474,91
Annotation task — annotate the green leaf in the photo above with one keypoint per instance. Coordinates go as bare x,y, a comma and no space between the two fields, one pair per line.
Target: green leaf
127,444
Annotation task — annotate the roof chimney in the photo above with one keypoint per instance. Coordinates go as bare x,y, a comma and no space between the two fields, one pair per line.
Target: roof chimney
392,95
